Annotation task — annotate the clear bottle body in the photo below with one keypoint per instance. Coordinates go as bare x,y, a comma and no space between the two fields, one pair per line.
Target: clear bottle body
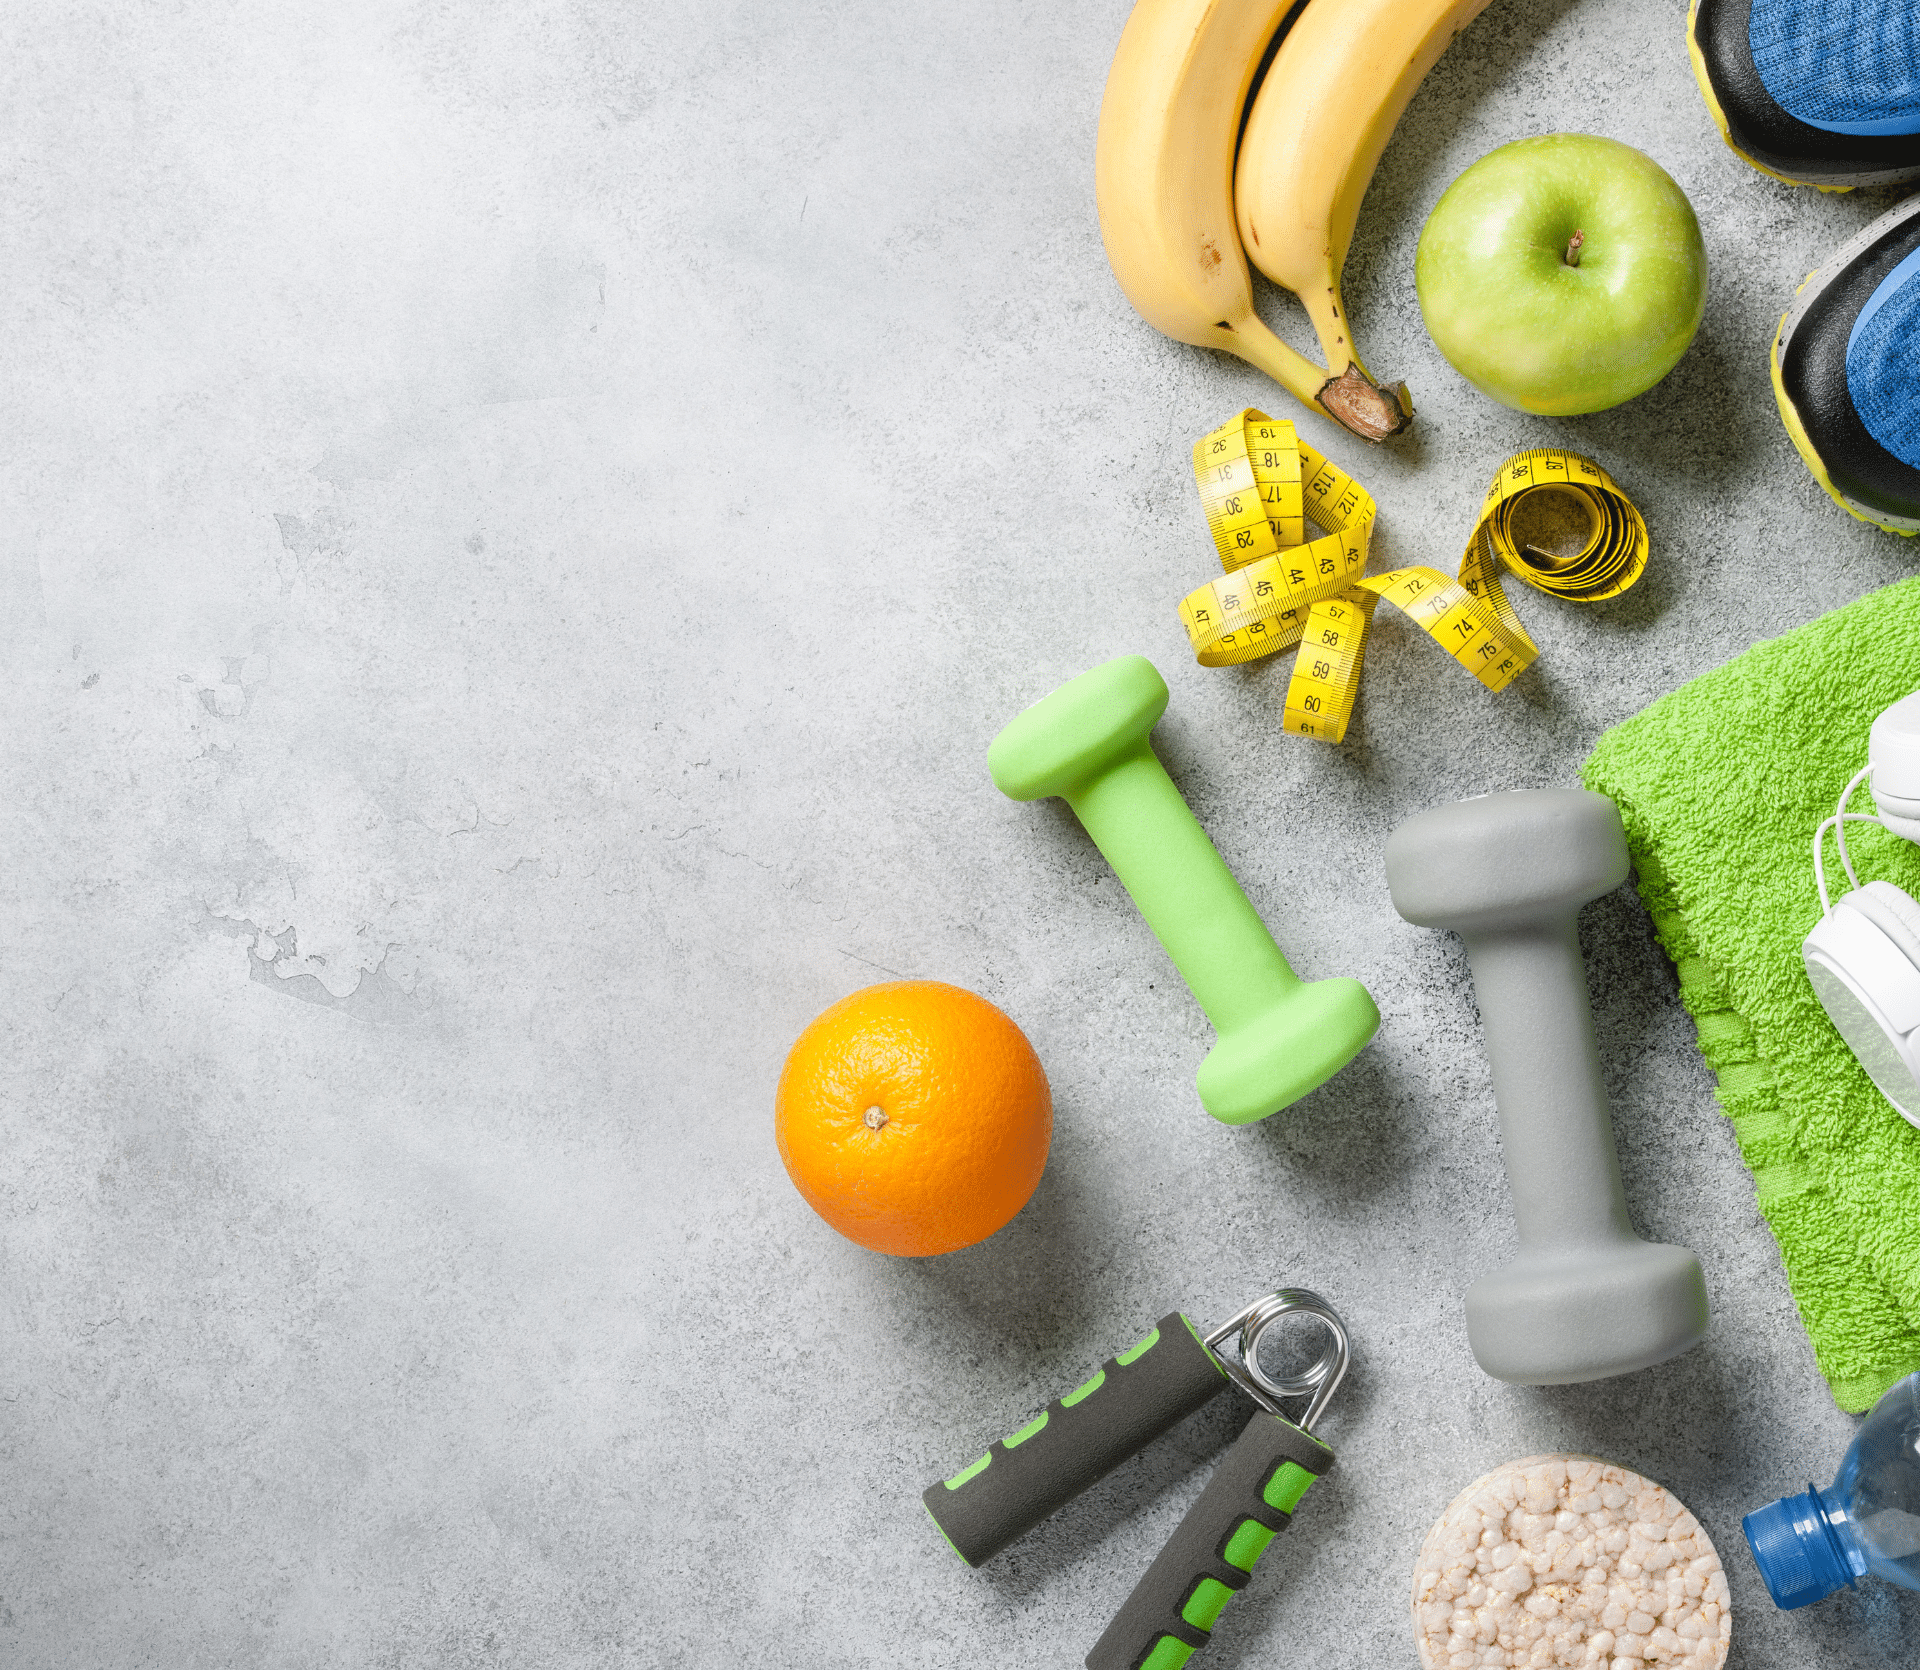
1878,1490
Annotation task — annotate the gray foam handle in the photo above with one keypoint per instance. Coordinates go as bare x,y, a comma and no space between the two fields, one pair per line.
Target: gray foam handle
1211,1555
1075,1441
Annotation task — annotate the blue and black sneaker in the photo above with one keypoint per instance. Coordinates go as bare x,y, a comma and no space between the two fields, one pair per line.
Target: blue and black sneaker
1814,92
1846,371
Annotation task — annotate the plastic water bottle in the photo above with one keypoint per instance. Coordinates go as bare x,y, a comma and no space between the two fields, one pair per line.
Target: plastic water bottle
1866,1523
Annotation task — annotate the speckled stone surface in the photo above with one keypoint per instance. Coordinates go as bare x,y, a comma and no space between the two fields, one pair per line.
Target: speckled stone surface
520,523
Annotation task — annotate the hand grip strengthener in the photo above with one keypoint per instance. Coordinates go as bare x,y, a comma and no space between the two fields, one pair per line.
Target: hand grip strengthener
1249,1500
1132,1399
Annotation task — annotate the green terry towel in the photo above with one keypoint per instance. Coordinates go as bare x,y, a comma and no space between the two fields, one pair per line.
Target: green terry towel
1721,785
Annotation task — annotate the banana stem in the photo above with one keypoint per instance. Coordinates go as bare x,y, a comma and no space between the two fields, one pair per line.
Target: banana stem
1325,310
1286,365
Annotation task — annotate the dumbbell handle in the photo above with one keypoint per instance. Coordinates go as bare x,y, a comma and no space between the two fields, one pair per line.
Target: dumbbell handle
1555,1125
1142,824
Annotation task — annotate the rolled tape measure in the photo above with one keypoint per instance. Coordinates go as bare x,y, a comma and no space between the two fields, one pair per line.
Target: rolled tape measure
1553,519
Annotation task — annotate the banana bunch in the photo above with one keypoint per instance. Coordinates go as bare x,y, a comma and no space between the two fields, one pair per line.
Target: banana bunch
1180,219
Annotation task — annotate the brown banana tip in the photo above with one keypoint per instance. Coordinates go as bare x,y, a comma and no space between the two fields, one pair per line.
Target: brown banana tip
1371,412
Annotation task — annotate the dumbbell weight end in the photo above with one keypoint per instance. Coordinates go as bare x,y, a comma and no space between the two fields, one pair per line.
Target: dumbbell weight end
1558,1320
1272,1062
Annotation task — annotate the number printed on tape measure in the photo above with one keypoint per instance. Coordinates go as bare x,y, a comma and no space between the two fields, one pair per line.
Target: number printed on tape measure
1260,484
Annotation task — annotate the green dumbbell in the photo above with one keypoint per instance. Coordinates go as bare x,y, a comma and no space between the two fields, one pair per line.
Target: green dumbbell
1280,1036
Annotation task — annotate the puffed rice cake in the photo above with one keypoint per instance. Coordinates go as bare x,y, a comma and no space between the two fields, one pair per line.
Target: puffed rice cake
1568,1560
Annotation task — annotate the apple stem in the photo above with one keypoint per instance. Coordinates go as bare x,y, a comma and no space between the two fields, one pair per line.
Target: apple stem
1572,257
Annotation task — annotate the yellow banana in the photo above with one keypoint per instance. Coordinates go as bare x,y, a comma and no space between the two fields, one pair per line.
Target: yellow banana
1323,114
1163,178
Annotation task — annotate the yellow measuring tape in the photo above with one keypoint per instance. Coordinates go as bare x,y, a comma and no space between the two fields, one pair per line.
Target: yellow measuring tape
1553,519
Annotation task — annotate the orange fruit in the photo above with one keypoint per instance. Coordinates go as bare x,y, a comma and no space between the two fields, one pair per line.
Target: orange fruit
914,1117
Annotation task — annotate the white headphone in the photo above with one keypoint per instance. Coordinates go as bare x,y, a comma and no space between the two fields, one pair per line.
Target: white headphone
1863,955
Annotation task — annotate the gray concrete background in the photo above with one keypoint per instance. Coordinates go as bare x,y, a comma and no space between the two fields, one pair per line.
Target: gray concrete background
520,524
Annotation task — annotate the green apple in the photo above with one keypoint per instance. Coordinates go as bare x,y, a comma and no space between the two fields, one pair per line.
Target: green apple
1562,274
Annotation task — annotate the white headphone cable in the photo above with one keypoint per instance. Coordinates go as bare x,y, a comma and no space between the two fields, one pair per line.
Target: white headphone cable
1838,824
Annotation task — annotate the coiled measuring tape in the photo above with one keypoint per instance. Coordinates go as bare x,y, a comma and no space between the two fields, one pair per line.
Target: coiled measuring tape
1553,519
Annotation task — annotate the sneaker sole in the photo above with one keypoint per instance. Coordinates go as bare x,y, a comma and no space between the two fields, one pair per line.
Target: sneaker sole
1804,296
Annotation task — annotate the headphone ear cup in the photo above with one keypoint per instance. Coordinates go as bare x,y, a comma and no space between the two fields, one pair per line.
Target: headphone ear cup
1863,959
1892,912
1899,816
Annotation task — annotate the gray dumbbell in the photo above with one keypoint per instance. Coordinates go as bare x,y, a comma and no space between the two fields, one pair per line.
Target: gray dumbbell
1585,1297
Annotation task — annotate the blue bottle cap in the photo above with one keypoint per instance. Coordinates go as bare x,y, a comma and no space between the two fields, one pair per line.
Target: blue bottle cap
1797,1550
